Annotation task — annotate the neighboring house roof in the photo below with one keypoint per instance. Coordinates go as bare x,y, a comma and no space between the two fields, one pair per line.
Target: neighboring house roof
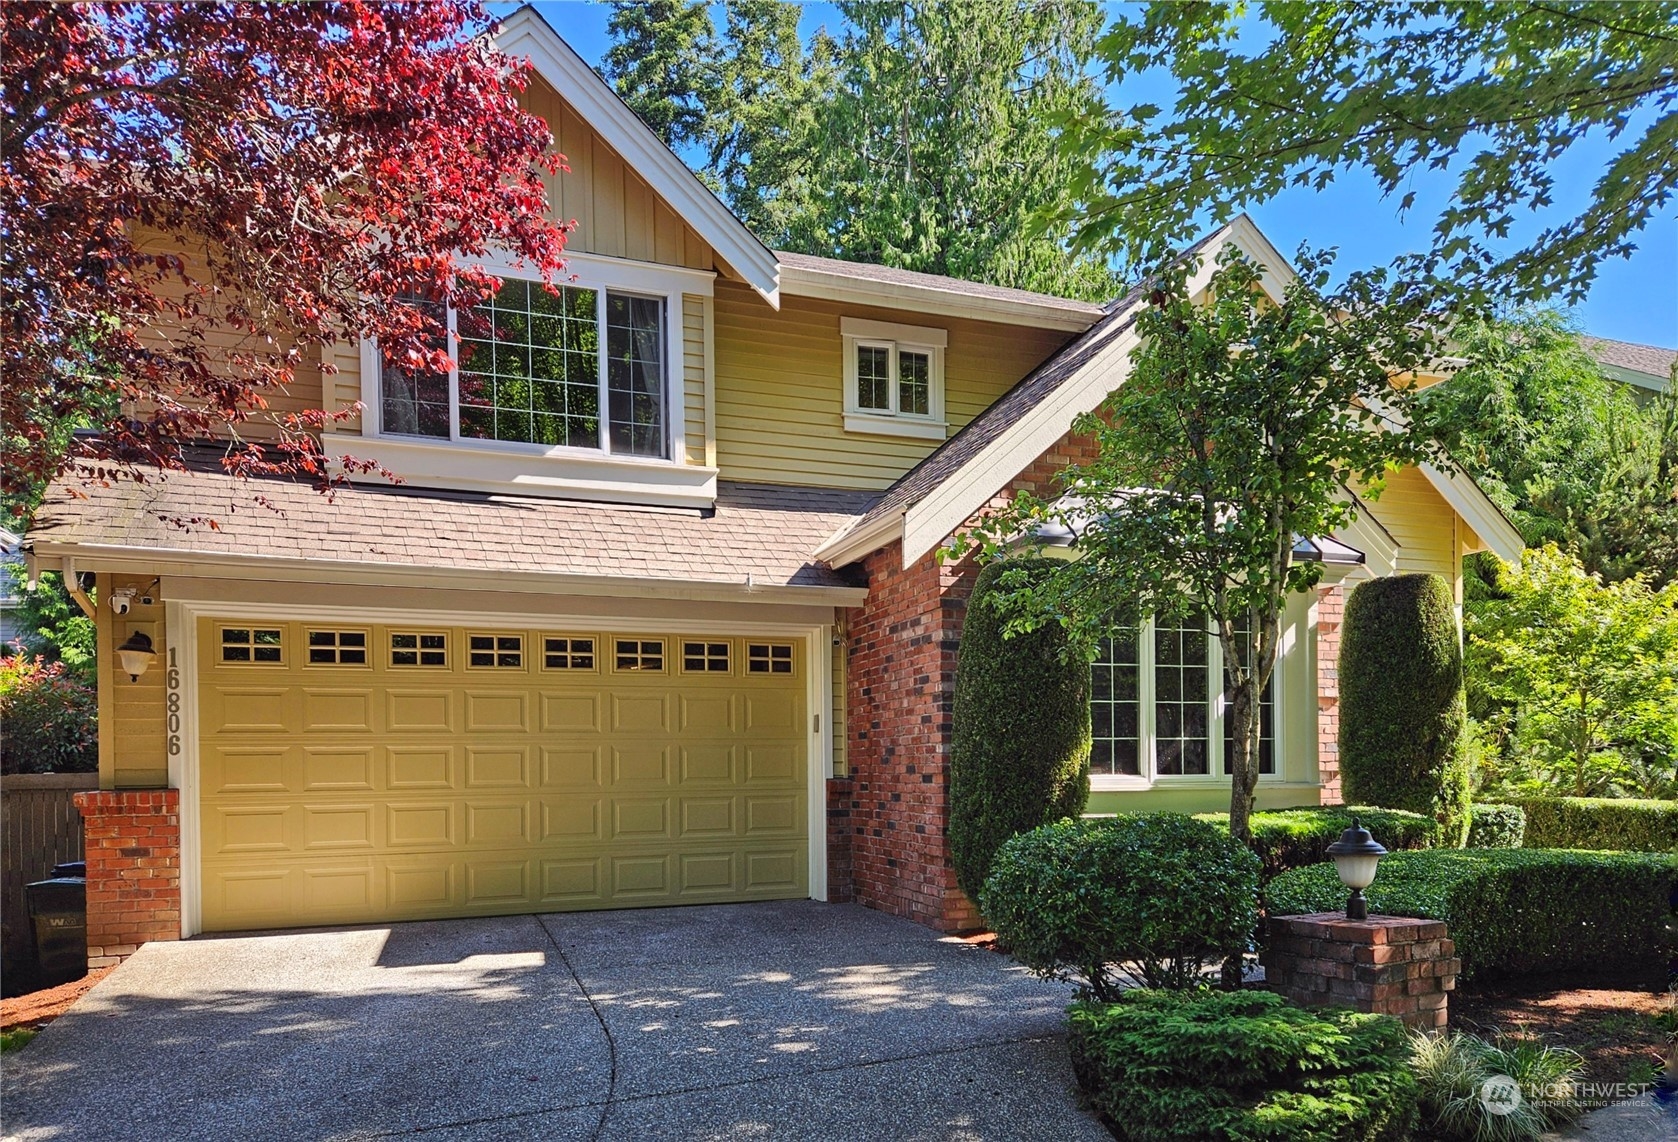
526,33
863,283
936,496
755,543
1647,366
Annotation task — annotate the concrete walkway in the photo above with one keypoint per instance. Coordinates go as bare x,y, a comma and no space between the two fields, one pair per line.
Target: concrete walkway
765,1021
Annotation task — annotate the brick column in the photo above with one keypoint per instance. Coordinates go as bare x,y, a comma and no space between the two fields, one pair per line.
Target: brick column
133,870
1331,609
1392,965
841,795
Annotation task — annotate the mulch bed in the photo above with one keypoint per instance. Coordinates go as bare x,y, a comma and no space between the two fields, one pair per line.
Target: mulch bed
1614,1028
39,1008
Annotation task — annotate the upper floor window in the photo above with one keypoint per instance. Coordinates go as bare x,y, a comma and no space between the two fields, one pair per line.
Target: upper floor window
576,368
1155,709
894,378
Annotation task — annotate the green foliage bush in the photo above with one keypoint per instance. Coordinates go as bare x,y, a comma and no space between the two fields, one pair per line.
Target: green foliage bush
1500,827
1402,711
1451,1073
1602,823
1020,743
1513,911
1294,838
48,718
1240,1067
1155,895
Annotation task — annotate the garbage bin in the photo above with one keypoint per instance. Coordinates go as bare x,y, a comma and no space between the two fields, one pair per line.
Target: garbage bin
58,914
76,868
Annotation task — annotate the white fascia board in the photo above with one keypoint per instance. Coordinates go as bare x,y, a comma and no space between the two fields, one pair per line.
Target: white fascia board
220,565
927,523
1276,274
525,33
803,281
1477,510
1370,536
851,544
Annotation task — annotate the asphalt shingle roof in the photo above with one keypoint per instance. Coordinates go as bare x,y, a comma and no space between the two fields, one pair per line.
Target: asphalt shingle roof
765,531
1629,355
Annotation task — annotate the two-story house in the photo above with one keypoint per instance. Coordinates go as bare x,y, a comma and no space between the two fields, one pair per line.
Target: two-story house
654,616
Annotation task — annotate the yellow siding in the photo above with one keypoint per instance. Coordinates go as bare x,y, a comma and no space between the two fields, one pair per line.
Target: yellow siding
693,375
780,388
841,759
133,716
617,214
1424,525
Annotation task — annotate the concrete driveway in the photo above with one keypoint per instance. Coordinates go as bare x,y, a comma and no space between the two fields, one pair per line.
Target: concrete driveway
759,1021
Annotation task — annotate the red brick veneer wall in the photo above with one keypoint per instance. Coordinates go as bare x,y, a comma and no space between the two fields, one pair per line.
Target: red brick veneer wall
1331,608
887,819
133,870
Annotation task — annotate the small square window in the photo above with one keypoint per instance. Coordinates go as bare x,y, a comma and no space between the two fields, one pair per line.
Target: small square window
705,658
495,651
640,654
259,645
415,648
337,647
769,658
568,653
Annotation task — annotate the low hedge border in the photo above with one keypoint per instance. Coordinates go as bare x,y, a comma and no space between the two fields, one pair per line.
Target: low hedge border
1242,1066
1294,838
1622,824
1496,826
1512,911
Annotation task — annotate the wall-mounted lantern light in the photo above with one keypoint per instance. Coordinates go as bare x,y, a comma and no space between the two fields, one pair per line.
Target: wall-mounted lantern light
1355,855
136,655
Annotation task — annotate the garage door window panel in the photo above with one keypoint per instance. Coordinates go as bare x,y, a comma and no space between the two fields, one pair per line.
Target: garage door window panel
336,648
705,657
639,655
252,646
567,653
769,658
419,649
495,651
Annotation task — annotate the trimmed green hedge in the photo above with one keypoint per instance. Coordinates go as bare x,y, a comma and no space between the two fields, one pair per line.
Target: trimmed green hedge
1294,838
1020,738
1513,911
1601,823
1499,827
1152,894
1242,1066
1402,711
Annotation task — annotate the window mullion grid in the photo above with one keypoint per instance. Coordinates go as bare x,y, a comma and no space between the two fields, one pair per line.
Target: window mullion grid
1216,684
1148,762
601,339
453,345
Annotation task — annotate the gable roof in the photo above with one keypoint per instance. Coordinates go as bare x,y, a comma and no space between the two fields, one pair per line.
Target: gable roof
526,33
936,496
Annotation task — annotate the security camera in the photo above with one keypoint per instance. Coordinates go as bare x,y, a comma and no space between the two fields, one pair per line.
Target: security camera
122,598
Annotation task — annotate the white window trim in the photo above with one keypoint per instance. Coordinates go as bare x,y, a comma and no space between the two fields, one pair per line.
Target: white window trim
856,332
1148,754
603,275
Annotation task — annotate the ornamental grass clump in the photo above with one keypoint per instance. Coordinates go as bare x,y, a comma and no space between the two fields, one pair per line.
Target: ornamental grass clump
1511,1089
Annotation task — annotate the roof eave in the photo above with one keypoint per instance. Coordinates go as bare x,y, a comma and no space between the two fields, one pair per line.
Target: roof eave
805,281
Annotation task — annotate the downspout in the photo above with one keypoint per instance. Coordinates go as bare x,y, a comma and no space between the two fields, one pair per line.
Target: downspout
73,585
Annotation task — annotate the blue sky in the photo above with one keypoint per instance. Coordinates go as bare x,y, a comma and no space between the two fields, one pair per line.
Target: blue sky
1632,300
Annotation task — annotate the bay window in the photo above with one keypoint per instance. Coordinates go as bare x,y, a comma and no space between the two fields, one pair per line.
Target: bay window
579,368
1157,714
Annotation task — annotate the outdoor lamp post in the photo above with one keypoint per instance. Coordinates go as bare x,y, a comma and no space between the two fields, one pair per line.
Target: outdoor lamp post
1355,855
136,655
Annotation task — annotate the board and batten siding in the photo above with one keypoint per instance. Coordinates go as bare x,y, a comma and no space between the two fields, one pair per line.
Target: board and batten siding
780,388
133,714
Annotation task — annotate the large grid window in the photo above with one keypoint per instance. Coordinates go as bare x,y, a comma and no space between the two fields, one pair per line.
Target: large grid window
1154,711
531,368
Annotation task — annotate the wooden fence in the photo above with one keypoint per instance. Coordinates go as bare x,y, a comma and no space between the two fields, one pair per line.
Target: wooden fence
39,827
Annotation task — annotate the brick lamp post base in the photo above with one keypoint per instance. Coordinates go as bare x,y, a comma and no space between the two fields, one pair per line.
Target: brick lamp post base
1392,965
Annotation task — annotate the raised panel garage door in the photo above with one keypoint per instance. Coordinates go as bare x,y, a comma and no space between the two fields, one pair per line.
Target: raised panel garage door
370,772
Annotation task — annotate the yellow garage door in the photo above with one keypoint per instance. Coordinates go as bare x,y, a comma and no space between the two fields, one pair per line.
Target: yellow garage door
365,772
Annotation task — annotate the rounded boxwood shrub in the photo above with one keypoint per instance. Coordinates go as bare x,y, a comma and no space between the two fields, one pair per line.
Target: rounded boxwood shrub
1151,895
1496,826
1293,838
1242,1066
1020,740
1402,709
1633,825
1514,911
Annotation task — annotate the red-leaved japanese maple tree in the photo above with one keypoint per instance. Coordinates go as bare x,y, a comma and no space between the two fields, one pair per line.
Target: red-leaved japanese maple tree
197,198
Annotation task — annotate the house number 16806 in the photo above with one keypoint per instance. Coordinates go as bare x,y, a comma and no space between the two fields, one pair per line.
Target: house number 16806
173,684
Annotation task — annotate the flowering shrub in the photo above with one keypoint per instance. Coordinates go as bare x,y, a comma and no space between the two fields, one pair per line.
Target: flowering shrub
48,719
